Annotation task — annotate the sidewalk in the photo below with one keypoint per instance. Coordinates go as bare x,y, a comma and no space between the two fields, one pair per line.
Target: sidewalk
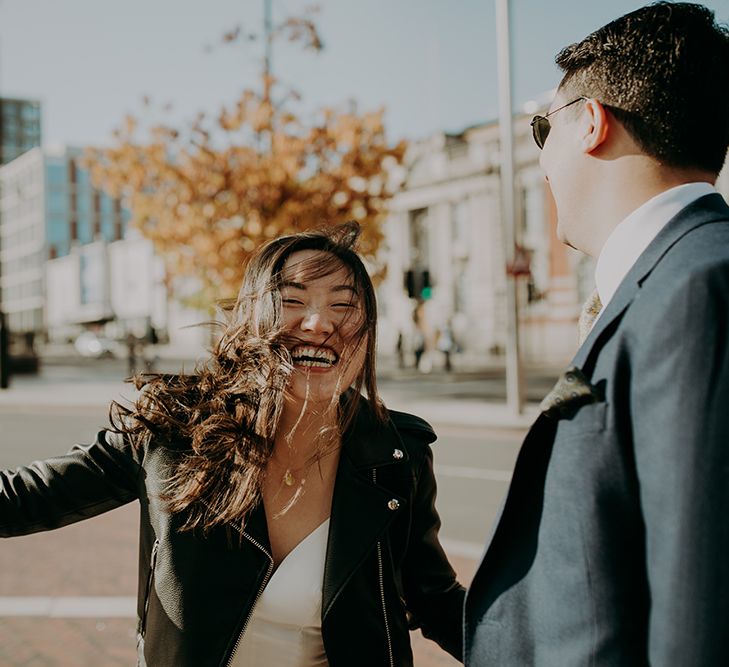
472,396
25,395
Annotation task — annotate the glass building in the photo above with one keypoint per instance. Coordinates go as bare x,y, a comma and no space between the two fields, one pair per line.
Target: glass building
20,127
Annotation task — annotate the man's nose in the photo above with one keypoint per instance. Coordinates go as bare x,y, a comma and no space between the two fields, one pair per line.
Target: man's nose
314,321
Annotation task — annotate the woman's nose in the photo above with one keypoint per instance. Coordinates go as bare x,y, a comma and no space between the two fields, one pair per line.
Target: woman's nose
314,321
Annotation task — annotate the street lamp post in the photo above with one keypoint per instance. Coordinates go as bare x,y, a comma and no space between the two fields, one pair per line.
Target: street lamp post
4,352
267,36
514,371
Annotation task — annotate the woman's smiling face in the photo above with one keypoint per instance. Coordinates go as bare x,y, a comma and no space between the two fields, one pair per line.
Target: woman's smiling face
324,315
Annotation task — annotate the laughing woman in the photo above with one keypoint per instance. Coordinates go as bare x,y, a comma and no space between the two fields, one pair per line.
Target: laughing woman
287,517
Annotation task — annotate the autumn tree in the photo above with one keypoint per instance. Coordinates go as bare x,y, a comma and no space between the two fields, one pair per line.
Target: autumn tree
209,194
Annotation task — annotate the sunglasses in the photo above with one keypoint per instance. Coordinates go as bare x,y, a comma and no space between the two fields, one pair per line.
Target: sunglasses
541,125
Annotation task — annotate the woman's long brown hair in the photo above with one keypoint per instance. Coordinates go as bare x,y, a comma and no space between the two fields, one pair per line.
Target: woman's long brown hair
222,420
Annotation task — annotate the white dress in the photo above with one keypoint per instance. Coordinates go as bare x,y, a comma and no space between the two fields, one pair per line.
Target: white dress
285,627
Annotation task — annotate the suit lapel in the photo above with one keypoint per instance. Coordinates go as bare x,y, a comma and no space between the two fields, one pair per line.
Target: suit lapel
706,209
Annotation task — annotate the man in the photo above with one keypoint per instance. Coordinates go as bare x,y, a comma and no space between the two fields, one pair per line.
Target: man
612,548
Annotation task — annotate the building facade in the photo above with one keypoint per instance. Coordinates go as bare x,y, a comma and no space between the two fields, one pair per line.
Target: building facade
49,210
445,229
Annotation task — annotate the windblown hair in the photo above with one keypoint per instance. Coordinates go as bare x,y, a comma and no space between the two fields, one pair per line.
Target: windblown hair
663,72
223,419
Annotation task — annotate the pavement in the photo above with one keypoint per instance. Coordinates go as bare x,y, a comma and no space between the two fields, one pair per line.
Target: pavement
472,395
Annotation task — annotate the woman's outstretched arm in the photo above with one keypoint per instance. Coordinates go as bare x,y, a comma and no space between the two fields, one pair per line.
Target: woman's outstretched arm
89,480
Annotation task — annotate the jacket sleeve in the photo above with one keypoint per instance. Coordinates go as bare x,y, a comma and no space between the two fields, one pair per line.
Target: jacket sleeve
433,596
679,403
89,480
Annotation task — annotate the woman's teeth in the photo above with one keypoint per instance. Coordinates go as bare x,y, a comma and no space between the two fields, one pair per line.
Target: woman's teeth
313,357
312,363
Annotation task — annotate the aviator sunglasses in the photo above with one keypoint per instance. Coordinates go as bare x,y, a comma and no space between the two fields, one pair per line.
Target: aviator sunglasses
541,125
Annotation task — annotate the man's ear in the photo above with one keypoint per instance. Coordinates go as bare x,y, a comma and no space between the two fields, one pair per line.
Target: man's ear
594,126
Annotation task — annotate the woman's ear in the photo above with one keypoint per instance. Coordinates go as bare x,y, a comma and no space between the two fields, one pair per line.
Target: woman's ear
595,125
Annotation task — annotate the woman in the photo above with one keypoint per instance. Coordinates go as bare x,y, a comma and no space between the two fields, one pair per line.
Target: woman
286,520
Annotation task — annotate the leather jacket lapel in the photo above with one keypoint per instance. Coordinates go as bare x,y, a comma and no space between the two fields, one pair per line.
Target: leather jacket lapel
257,528
361,509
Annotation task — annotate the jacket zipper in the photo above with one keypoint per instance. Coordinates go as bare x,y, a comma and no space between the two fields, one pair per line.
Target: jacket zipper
380,574
258,595
148,589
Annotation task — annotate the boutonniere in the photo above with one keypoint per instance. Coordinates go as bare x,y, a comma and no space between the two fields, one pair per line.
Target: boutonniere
571,391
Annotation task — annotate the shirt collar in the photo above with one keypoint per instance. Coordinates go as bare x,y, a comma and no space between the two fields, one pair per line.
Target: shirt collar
634,234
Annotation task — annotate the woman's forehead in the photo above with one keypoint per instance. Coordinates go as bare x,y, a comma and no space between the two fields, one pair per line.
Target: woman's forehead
315,266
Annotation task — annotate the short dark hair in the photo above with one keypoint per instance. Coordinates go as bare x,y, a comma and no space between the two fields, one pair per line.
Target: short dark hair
663,71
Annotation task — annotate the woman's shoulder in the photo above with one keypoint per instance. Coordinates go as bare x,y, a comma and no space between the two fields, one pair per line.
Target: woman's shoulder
412,426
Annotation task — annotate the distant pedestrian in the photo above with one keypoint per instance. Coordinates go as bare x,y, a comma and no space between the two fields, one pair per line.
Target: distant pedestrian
400,350
421,338
447,345
132,344
287,519
151,340
612,548
418,348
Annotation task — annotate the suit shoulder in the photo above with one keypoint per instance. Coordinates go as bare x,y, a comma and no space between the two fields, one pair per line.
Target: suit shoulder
412,426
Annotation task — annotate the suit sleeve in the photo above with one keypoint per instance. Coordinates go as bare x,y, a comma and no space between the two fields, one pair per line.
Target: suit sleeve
680,416
434,597
89,480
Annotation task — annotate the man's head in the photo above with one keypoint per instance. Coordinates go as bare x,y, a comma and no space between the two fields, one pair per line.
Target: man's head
658,80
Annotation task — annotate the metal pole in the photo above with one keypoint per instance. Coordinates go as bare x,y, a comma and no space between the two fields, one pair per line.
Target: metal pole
514,374
4,347
267,36
4,356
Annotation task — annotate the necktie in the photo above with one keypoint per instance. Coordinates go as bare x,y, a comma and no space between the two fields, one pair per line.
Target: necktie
590,310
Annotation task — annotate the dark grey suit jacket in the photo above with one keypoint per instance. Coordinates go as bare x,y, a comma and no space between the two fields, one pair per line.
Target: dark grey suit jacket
612,548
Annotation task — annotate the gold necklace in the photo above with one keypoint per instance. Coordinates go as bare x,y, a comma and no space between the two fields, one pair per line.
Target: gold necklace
289,476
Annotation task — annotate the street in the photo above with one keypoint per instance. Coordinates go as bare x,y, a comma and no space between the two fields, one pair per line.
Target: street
67,596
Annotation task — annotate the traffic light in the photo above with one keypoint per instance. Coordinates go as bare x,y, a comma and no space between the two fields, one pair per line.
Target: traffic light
418,285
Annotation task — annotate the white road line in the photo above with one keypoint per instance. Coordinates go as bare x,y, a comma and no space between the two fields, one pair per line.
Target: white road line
466,472
69,607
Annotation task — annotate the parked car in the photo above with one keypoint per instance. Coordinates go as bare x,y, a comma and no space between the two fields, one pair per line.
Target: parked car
91,345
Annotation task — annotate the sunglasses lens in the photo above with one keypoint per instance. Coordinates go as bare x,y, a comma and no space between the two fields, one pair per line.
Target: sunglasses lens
540,130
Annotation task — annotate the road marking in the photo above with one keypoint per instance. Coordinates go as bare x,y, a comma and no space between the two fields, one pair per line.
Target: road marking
467,472
69,607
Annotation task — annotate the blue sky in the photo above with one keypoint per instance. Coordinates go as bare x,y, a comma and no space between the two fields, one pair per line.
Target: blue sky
431,63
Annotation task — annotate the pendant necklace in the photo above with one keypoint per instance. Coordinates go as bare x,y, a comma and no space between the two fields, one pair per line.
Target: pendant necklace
289,476
289,479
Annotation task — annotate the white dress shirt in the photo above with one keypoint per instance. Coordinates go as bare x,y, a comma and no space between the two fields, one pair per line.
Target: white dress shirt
634,234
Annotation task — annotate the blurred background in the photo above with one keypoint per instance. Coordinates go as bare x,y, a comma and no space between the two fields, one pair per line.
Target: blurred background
135,137
148,147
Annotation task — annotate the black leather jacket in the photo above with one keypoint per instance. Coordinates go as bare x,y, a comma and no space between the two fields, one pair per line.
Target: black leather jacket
385,570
